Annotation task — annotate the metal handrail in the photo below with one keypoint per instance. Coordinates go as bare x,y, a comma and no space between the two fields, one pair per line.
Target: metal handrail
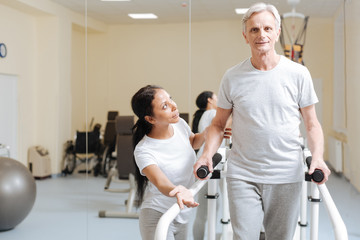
165,220
338,224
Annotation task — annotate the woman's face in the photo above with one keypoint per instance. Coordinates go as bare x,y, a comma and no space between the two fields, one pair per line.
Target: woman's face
164,109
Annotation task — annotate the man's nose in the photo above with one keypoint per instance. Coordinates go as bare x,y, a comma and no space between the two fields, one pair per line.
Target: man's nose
262,32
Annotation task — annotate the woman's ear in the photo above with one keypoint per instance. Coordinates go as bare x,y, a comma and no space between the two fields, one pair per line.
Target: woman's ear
211,103
150,119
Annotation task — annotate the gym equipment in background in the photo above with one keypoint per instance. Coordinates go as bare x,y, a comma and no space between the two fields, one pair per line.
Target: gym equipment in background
124,169
17,193
184,116
39,162
292,40
109,142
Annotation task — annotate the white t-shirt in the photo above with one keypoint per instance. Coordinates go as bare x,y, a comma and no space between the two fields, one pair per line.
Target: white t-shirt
266,116
175,157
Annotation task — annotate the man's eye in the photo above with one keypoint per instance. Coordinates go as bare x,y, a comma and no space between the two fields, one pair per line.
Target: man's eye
165,106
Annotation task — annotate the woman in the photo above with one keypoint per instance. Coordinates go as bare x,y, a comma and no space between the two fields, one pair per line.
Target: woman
164,155
207,103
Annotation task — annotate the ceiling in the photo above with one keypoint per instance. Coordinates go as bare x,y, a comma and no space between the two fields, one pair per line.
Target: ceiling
178,10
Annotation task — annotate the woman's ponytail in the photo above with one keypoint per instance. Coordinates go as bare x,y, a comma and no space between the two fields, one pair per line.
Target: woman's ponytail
201,103
141,104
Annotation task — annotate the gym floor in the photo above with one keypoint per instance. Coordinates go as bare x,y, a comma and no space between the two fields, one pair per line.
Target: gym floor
67,208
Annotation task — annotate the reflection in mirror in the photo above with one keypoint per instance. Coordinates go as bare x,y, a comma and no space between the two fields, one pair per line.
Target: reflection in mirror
77,69
45,63
124,55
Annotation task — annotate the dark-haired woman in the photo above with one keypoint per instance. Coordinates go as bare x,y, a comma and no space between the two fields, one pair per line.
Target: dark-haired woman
164,155
206,102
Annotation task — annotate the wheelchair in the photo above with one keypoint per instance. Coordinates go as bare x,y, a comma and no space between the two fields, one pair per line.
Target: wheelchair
86,148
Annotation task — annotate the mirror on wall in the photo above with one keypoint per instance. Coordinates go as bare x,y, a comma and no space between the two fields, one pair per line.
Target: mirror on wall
127,54
45,61
73,66
124,55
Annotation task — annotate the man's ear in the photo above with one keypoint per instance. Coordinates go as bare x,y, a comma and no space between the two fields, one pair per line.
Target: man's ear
278,35
245,37
150,119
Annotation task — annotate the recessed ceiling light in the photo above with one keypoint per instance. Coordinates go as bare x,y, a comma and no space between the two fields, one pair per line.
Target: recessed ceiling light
142,15
115,0
241,10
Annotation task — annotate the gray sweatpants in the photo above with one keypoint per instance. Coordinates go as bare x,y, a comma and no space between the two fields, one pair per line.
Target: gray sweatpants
253,205
148,221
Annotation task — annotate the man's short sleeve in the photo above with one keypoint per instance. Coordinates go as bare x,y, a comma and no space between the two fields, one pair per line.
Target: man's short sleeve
224,99
308,96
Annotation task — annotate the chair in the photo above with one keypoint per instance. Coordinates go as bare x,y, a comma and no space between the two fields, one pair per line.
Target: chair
124,170
87,147
185,116
124,150
109,142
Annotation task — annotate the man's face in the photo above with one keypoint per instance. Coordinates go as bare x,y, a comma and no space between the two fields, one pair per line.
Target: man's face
261,33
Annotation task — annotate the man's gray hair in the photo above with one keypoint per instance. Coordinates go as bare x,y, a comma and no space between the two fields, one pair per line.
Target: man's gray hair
259,7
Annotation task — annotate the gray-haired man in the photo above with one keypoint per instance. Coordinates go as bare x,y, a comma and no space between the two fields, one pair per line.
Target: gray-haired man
267,94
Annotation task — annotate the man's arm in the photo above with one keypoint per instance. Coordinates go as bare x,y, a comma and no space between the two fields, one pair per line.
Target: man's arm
315,139
214,138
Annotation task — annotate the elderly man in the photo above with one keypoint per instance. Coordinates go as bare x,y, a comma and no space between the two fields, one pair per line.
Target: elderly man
266,94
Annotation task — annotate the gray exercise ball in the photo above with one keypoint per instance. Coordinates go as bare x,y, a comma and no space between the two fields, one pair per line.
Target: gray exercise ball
17,193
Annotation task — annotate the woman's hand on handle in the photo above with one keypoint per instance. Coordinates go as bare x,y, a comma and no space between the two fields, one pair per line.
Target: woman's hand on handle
184,197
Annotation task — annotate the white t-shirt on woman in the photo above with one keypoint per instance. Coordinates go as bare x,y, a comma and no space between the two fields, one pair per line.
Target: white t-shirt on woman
204,122
175,157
